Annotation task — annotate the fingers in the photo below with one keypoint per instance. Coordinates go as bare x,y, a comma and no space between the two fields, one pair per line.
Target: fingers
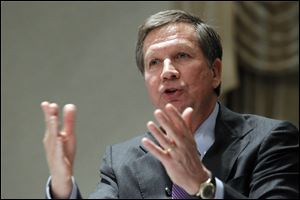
158,134
49,109
175,124
53,109
69,119
53,127
176,119
187,117
178,149
164,121
45,108
51,134
155,150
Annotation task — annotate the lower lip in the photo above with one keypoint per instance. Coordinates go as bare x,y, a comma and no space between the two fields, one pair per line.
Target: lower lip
174,96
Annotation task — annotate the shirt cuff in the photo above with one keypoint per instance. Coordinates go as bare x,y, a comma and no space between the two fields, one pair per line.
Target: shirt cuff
73,194
219,189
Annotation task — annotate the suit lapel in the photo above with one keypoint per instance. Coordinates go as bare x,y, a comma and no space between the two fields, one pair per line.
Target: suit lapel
229,143
151,175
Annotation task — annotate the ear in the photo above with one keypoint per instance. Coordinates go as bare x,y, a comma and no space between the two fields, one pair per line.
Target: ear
217,72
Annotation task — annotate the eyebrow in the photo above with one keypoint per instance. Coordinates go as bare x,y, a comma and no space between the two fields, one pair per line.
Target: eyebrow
179,46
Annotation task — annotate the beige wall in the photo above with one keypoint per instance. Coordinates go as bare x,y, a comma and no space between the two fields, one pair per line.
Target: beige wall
65,52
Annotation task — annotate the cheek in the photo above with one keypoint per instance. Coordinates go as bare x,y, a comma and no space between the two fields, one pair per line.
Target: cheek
151,85
199,82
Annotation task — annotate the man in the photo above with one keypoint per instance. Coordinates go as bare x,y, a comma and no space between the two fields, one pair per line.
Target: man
199,149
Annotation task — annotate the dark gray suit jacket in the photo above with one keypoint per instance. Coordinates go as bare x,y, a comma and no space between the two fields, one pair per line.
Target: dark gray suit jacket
255,157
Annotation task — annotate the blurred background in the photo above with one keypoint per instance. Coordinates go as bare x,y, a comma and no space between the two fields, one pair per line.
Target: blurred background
83,53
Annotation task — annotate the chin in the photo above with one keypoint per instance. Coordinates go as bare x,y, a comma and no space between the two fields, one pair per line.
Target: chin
179,106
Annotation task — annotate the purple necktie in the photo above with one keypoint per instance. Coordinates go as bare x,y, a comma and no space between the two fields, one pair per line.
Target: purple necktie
179,193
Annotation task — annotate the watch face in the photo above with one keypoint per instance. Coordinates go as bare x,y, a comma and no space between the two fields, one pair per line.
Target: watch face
208,191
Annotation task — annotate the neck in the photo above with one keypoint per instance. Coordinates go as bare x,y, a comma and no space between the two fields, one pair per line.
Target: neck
199,116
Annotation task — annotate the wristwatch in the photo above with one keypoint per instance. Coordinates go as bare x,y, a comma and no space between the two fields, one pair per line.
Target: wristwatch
207,189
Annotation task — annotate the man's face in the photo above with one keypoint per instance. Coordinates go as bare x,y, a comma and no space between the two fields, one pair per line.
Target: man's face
176,70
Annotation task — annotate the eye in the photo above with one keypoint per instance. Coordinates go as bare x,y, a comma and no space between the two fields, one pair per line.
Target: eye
182,55
154,62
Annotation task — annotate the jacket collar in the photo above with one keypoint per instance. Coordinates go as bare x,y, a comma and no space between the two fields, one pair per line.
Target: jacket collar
230,131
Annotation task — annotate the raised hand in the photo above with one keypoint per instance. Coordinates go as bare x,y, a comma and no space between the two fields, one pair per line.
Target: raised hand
178,150
60,147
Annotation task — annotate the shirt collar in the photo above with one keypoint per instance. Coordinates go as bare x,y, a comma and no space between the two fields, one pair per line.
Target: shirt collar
204,135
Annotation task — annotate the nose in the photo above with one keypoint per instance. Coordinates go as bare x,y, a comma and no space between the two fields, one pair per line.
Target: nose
169,72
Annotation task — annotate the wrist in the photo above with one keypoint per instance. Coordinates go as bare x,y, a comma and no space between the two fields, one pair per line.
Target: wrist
196,184
61,187
207,189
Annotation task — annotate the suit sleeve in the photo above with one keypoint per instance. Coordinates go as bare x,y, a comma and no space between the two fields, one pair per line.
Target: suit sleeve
276,171
107,187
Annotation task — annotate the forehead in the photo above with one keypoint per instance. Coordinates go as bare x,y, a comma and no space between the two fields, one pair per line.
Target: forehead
169,34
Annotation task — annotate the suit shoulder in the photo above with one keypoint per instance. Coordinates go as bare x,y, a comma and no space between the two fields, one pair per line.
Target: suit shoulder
242,123
267,124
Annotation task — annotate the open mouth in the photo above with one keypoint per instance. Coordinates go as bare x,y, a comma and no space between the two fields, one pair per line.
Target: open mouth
172,94
170,90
